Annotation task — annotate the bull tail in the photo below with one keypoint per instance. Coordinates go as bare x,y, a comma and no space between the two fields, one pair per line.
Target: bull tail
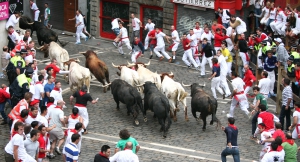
213,105
167,109
62,44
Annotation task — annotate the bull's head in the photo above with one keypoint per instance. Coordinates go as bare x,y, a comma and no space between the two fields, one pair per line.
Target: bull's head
118,66
44,48
162,76
68,63
137,65
189,85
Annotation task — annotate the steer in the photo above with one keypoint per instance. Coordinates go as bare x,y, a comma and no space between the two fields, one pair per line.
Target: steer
55,51
26,23
203,103
128,95
157,102
97,67
175,94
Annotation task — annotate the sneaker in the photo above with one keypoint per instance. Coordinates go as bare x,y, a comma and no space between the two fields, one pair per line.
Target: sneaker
201,76
115,44
57,151
197,68
90,36
161,58
228,95
228,115
86,38
223,96
189,67
174,60
249,115
170,60
3,123
151,56
77,43
253,137
51,156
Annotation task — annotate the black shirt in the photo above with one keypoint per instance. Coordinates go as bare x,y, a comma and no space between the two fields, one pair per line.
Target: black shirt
99,158
82,99
232,135
243,45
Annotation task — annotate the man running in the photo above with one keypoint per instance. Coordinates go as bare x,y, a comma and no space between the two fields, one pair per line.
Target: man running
176,41
149,26
47,17
122,38
81,101
188,56
160,46
115,28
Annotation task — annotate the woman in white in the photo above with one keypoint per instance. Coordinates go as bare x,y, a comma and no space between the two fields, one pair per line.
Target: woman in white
238,24
272,14
35,10
79,26
122,38
296,122
149,26
264,14
258,5
74,118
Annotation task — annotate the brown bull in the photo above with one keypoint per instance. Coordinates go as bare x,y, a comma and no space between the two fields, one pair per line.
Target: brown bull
97,67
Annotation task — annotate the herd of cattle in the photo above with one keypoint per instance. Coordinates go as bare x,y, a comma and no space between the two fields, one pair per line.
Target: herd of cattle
161,94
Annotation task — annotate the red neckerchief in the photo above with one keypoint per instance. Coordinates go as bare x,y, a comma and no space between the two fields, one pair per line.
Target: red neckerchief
38,83
74,116
272,9
81,93
232,126
198,28
13,133
216,65
49,104
172,30
268,7
30,114
101,154
58,107
158,32
290,141
206,32
34,67
74,131
56,89
10,33
137,42
297,109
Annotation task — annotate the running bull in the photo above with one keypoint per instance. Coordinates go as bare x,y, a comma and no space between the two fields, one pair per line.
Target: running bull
203,103
128,95
97,67
155,101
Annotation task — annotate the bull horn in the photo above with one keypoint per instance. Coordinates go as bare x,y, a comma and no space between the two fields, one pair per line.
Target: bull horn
202,85
114,65
185,85
140,85
130,64
82,52
30,23
77,60
171,73
40,47
147,64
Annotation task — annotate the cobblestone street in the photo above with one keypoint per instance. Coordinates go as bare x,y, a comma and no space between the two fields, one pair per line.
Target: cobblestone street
185,140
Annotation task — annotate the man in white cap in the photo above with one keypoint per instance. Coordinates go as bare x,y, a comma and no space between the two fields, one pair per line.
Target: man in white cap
282,54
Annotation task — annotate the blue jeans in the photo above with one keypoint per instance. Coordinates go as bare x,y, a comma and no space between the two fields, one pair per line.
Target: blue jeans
234,151
46,22
2,106
240,70
285,114
226,25
257,12
269,22
116,31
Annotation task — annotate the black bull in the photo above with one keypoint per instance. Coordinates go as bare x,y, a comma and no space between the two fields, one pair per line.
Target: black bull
125,93
44,35
157,102
203,103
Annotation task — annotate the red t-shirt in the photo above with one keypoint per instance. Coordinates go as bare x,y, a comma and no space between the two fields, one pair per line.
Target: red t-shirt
215,27
279,133
43,145
55,69
152,34
184,43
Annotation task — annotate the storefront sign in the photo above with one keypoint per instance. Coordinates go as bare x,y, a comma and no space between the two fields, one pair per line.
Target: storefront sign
198,3
4,9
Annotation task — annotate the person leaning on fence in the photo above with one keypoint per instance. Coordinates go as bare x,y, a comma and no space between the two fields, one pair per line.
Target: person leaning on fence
282,54
287,103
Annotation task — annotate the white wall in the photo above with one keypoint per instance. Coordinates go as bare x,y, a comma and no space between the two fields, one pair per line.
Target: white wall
4,40
82,6
26,9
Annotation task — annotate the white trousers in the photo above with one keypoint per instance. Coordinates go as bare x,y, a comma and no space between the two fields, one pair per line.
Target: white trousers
247,89
223,83
215,84
244,58
175,47
203,63
243,102
264,21
36,15
126,42
161,48
84,114
229,65
271,76
146,41
187,58
276,26
259,61
295,134
135,55
197,60
78,32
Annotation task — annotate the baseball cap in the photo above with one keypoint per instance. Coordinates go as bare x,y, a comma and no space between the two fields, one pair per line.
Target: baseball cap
264,42
34,102
23,51
278,40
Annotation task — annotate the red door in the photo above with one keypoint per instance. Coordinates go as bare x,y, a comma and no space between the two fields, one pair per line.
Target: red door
155,14
111,9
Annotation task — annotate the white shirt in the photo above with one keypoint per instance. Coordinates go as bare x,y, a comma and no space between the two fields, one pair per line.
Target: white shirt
115,23
124,32
160,39
14,37
137,24
124,156
68,140
263,136
274,155
198,32
150,26
224,16
272,14
296,113
29,38
17,140
29,120
34,7
46,13
264,85
79,18
281,17
39,88
297,22
44,121
238,84
175,34
193,39
208,36
223,64
55,114
266,10
12,21
243,24
57,95
29,58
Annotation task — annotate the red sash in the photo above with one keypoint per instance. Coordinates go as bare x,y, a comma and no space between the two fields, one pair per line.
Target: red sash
235,96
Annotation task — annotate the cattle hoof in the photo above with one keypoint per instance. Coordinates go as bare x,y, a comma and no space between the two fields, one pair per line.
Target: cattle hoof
136,123
175,119
211,123
145,119
177,109
187,119
198,119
